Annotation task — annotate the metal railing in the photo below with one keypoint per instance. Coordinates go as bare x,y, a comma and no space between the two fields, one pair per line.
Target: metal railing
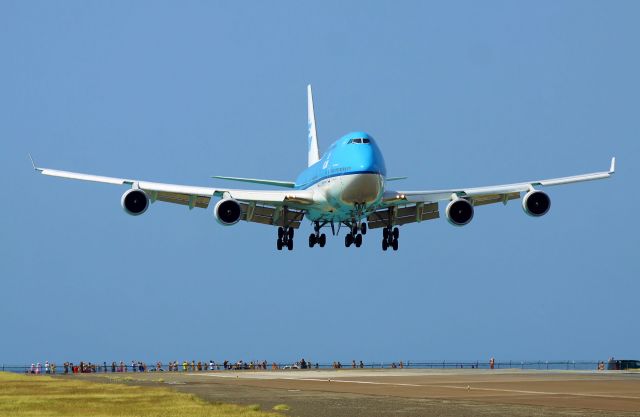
99,367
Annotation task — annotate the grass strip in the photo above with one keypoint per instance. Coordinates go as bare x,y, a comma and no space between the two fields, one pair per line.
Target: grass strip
43,396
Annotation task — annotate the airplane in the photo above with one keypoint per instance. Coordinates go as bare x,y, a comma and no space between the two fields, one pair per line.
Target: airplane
346,187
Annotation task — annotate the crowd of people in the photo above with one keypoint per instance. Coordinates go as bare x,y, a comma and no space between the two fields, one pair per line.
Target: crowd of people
211,365
37,368
177,366
139,366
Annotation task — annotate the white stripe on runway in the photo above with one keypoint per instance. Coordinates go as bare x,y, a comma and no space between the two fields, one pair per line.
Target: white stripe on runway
574,394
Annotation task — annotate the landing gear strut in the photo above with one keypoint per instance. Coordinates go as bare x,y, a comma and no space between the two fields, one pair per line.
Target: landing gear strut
316,237
390,238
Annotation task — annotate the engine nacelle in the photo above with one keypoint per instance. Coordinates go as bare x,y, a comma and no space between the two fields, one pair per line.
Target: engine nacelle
227,212
134,202
459,212
536,203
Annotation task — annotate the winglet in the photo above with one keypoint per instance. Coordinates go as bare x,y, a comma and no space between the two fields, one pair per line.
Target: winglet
34,164
612,169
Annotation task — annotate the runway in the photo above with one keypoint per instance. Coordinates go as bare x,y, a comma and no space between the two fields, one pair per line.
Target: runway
355,392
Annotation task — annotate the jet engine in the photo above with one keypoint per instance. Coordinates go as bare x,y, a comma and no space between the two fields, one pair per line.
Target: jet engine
227,212
459,212
134,202
536,203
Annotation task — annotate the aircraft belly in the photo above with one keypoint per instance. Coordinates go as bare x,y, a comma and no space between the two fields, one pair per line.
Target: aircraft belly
360,188
341,193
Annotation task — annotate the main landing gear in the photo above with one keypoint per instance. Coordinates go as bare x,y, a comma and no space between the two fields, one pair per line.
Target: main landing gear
390,238
285,238
355,236
316,237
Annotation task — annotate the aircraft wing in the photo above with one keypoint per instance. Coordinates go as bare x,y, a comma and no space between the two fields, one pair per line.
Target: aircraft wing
194,196
490,194
416,206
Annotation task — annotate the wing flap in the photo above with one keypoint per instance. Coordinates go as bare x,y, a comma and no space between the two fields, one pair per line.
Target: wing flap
481,200
272,216
403,215
183,199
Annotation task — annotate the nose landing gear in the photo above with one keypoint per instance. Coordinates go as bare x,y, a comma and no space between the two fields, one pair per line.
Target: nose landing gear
355,236
316,237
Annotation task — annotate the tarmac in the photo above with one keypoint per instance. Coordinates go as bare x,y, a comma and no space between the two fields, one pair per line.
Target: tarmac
413,392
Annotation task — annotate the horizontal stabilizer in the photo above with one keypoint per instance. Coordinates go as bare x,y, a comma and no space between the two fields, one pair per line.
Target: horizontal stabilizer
275,183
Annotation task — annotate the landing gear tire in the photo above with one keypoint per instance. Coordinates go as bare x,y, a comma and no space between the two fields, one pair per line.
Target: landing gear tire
279,244
396,233
358,241
354,229
385,245
290,244
363,228
290,233
322,240
385,233
312,240
394,245
280,232
348,240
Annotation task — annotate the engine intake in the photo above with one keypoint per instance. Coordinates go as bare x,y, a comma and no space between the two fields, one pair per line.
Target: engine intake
227,212
459,212
134,202
536,203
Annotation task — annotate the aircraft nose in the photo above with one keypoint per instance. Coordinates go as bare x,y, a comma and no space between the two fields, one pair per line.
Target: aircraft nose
368,161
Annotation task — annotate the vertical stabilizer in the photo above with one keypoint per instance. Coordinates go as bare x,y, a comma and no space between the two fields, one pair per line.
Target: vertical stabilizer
314,155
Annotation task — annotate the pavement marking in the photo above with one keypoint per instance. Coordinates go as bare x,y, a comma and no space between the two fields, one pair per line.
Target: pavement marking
469,388
577,394
356,382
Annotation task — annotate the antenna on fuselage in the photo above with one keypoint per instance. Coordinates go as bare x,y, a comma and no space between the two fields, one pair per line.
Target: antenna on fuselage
314,155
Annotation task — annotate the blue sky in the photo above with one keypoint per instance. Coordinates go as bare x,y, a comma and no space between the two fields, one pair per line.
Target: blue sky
456,94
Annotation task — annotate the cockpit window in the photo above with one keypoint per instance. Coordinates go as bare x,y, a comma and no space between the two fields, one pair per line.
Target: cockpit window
359,140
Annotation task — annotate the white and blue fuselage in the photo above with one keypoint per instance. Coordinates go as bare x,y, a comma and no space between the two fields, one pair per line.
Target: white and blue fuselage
347,181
